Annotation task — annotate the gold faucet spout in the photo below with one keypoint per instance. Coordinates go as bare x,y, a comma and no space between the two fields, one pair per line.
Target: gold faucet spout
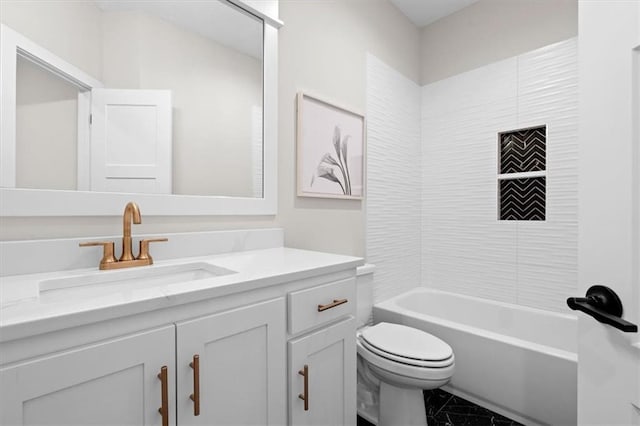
131,214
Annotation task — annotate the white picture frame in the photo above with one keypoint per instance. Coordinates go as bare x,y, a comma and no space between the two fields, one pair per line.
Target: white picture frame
330,150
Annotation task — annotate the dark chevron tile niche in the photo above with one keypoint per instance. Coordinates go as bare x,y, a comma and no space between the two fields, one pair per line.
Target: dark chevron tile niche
523,151
523,199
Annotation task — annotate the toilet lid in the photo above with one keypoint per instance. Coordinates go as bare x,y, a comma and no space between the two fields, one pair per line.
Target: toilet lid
406,342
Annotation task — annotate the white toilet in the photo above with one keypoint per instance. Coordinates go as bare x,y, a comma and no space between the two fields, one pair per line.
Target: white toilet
398,362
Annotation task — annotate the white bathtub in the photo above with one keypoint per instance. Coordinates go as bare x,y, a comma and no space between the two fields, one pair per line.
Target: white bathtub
517,361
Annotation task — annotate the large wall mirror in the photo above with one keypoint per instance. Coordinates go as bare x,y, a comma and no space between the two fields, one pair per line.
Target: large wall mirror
169,103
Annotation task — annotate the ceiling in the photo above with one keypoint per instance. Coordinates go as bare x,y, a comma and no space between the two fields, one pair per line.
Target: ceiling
424,12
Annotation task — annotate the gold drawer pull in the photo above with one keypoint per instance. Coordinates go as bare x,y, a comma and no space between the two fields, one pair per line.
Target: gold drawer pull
164,409
195,396
336,302
305,394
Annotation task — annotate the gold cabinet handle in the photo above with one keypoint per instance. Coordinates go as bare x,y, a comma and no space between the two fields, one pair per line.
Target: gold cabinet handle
336,302
107,252
195,396
305,394
143,254
164,409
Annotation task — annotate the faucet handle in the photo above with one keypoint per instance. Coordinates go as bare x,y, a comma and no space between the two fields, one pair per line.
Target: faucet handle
144,248
107,252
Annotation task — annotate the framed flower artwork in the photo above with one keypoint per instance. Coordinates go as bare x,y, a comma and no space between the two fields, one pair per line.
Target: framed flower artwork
330,150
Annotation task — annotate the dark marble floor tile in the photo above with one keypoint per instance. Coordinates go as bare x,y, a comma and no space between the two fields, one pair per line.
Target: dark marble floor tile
445,409
433,421
450,419
363,422
460,412
434,400
454,419
465,408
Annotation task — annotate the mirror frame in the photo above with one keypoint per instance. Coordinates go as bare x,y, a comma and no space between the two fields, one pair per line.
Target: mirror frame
43,202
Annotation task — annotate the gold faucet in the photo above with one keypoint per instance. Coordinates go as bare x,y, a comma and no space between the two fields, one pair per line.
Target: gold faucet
127,260
131,214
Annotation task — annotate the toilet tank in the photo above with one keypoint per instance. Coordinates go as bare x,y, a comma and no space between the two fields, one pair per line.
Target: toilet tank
364,294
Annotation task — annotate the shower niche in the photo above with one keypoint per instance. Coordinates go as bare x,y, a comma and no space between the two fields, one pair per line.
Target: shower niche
522,175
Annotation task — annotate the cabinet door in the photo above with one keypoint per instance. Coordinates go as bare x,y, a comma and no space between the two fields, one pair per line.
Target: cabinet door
242,367
330,357
110,383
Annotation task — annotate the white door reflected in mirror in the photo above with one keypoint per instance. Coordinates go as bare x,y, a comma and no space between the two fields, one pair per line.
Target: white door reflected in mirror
130,147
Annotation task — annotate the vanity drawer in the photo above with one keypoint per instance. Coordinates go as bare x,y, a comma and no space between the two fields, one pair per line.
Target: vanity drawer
318,305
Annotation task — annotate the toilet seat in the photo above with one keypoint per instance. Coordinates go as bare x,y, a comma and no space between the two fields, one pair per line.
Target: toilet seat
408,361
406,345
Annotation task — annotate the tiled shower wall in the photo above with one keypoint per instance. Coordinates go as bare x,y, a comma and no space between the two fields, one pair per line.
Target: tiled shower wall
432,207
393,179
465,248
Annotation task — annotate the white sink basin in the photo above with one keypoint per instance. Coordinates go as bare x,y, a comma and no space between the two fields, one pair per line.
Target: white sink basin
140,277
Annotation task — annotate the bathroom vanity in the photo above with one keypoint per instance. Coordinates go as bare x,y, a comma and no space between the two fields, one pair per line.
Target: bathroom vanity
259,336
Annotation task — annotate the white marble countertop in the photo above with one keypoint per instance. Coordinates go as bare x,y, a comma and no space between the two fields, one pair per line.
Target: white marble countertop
25,310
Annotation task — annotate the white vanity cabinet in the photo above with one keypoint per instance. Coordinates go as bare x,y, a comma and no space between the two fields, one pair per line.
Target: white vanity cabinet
232,352
233,364
322,360
114,382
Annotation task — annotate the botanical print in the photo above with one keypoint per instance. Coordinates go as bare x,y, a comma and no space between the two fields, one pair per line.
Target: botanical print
328,164
330,149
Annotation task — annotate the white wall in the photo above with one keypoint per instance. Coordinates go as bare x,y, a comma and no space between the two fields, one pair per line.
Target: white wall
491,30
394,180
465,248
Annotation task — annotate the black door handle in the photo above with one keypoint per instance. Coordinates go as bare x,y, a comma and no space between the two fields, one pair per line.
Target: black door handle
604,305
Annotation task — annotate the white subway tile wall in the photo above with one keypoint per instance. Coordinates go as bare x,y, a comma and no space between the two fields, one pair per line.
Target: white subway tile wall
393,199
435,222
548,251
465,248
